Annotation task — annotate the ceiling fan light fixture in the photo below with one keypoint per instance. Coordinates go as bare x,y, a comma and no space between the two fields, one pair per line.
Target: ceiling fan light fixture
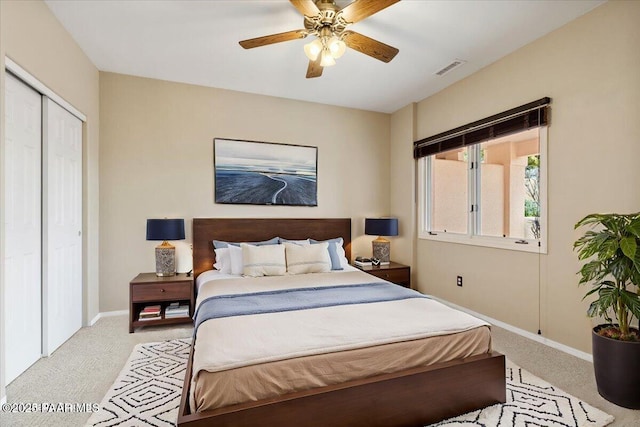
337,47
327,59
313,49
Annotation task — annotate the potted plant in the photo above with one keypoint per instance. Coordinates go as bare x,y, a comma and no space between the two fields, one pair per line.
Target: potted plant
611,252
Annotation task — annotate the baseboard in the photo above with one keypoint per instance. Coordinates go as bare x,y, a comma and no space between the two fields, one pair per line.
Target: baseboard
535,337
3,400
107,314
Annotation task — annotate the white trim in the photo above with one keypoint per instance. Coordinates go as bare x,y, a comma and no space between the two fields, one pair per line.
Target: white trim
543,137
36,84
107,314
3,400
423,188
538,338
485,241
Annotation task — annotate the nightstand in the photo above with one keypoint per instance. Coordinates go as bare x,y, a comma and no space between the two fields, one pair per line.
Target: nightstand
148,289
399,274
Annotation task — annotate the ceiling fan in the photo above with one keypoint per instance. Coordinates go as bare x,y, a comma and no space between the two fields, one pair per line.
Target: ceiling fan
325,20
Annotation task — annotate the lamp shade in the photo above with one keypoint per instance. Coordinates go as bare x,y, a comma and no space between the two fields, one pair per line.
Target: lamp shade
165,229
381,226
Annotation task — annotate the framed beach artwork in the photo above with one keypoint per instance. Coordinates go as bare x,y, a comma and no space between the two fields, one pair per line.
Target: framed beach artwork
265,173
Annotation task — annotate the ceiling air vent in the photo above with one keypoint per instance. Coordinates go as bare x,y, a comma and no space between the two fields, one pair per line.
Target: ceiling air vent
455,64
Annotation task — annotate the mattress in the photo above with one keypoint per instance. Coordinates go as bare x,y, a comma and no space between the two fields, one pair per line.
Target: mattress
257,356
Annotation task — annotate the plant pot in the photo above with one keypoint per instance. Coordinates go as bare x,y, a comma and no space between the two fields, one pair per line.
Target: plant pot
616,367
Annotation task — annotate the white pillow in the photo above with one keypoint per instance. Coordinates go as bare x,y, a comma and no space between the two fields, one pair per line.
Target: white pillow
308,258
223,261
267,260
235,259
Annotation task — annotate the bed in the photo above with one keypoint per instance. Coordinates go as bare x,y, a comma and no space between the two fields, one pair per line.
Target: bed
423,393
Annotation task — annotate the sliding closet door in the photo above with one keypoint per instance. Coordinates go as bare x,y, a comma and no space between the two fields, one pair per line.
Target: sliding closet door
62,221
22,227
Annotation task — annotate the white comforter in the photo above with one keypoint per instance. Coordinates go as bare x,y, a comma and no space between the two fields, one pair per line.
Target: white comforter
233,342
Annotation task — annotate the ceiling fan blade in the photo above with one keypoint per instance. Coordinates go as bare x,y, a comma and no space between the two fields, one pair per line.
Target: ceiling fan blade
369,46
314,69
273,38
306,7
360,9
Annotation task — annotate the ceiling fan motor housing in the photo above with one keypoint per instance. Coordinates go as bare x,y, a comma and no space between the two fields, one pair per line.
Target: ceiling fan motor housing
328,17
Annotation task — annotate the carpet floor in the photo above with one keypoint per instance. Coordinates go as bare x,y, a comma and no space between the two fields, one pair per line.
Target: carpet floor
84,368
147,393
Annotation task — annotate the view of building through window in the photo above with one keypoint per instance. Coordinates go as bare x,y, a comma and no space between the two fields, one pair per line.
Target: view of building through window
449,191
492,187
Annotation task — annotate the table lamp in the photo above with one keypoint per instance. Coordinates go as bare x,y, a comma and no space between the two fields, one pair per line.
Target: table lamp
381,227
165,229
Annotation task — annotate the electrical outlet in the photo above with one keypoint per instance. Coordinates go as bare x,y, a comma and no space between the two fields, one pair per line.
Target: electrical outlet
459,280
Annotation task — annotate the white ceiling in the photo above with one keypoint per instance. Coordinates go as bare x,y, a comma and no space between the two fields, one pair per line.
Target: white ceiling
197,42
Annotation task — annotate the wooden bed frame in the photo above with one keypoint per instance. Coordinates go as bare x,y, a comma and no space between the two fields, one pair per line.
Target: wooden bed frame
414,397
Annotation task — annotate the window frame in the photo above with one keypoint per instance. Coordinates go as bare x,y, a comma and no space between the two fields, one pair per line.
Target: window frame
473,217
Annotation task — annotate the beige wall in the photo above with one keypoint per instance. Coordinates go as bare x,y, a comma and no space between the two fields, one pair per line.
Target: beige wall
156,160
402,173
590,69
32,37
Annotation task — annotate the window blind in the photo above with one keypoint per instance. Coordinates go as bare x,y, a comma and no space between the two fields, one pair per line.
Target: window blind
515,120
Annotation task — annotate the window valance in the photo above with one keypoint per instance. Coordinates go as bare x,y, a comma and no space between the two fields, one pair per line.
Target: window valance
517,119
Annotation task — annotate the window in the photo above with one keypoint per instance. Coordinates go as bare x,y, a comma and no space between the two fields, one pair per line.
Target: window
489,193
448,201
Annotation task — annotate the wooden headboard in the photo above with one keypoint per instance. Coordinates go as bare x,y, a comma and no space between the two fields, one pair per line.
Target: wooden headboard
205,230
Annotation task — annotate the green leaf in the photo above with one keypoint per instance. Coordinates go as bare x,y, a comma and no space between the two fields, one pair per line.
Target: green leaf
628,246
592,311
592,219
612,222
631,301
608,298
594,243
591,292
590,271
635,271
598,286
620,268
608,248
634,226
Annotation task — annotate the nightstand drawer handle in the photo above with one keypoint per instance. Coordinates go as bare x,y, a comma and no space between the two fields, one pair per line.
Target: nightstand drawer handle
386,275
161,290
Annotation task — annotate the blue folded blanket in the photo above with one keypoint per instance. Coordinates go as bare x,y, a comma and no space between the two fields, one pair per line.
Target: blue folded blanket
299,299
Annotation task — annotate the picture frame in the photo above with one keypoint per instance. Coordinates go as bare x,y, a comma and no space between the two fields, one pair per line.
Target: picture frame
264,173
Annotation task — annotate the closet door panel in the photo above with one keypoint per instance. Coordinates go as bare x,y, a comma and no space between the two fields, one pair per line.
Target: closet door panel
62,216
22,227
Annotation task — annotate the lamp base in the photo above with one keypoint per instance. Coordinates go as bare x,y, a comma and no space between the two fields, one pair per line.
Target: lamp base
165,260
382,250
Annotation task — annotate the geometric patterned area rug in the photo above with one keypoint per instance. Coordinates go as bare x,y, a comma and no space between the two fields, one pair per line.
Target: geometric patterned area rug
147,393
533,402
148,389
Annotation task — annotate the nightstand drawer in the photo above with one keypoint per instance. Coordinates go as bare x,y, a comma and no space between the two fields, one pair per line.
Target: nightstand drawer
161,291
393,272
395,276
